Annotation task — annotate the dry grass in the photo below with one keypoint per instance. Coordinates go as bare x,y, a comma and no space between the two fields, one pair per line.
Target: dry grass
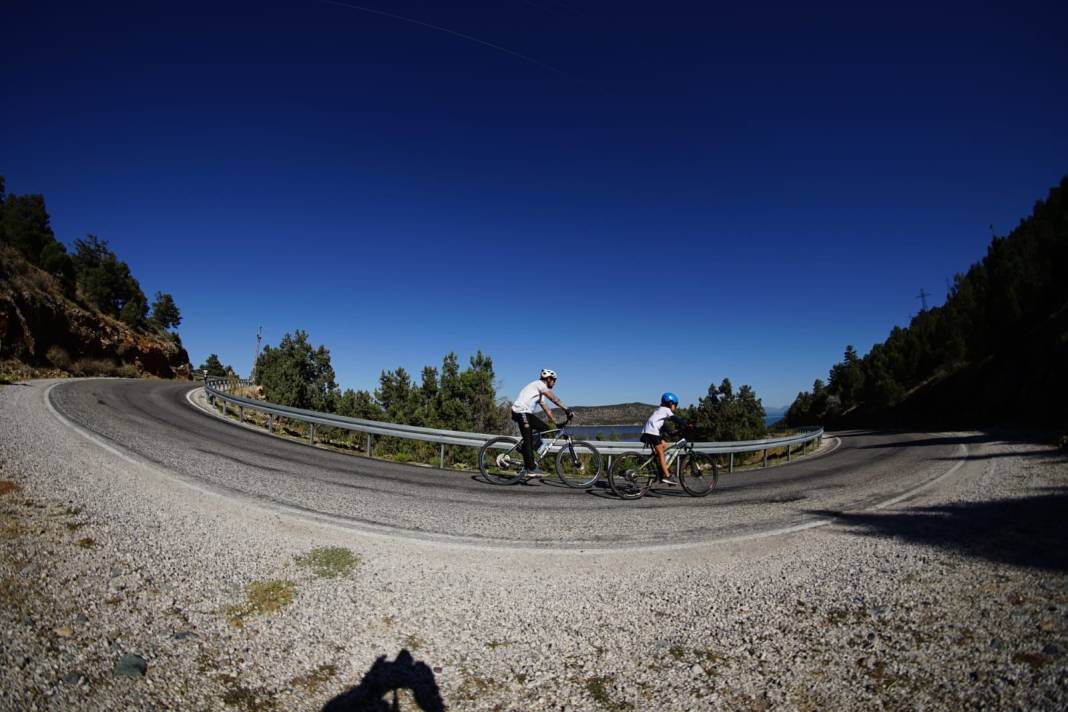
315,679
261,598
9,487
58,357
329,561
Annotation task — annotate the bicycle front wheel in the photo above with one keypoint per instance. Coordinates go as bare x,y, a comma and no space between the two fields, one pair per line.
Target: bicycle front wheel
578,464
698,473
501,461
631,475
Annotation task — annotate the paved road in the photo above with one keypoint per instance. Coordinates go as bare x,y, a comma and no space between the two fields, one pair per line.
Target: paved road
153,420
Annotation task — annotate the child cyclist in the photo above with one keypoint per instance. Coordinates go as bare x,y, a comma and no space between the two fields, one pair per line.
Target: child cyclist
652,437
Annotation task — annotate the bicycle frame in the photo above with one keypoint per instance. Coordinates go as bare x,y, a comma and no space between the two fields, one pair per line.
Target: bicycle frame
546,444
672,453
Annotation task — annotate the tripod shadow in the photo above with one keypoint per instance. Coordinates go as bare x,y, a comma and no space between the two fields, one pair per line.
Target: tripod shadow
373,694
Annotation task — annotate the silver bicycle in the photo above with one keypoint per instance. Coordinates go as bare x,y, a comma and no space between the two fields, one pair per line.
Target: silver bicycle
633,473
578,464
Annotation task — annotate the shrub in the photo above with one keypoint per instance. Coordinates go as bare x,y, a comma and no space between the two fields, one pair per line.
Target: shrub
58,357
94,367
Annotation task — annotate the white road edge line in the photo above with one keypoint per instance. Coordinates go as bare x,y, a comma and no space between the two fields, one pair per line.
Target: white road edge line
443,540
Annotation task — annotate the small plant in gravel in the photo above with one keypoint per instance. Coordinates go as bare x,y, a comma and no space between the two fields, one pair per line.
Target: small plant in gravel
262,598
677,652
315,679
246,698
473,687
388,621
494,644
598,687
11,529
711,656
86,542
329,561
1035,660
414,642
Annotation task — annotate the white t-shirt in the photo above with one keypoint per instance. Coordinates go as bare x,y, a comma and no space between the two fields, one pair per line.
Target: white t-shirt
656,420
529,397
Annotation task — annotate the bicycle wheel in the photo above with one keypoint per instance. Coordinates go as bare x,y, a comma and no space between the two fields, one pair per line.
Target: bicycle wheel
578,464
698,473
631,475
501,461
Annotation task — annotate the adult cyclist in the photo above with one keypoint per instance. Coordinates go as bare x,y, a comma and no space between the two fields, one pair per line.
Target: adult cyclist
531,426
651,433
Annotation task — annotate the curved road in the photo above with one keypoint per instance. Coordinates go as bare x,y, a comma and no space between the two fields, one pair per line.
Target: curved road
153,421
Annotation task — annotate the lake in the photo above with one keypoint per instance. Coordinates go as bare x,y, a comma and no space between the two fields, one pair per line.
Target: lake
631,432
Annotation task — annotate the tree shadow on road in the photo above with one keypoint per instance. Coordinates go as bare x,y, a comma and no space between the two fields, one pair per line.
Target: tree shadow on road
991,436
946,439
379,688
1027,531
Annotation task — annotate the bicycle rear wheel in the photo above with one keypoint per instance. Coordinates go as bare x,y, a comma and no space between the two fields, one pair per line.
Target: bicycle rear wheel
631,475
698,473
578,464
501,461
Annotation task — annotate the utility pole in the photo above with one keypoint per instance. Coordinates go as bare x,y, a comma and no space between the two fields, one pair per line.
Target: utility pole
259,337
923,298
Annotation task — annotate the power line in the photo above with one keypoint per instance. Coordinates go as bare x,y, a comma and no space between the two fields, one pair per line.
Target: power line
446,30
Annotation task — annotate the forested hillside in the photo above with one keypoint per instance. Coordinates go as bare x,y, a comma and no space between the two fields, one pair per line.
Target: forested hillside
995,353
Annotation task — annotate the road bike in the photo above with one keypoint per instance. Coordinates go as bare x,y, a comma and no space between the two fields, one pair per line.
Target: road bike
633,473
578,464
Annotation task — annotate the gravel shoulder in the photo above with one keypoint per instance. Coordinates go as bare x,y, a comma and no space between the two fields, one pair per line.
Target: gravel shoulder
955,597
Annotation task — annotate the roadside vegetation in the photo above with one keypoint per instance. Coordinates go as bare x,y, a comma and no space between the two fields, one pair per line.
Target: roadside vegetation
995,352
295,373
89,272
74,309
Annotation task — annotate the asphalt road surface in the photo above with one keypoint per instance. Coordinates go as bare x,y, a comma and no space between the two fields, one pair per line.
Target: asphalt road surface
154,421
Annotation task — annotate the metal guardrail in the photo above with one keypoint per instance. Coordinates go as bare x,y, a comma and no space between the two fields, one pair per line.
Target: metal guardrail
217,390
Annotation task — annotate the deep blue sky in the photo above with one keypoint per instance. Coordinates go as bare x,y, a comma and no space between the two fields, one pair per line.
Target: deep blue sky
650,197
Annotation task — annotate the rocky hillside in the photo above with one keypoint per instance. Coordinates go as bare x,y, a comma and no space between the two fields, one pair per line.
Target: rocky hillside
618,414
44,331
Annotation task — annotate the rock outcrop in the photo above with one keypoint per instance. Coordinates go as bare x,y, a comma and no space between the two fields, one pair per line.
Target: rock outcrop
41,327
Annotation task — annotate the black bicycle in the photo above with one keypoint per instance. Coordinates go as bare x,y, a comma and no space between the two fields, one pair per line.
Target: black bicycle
633,473
578,464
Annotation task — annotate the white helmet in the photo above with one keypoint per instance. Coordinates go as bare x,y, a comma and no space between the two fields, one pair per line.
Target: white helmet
548,373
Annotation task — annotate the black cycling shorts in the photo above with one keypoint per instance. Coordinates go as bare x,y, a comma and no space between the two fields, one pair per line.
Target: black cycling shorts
651,440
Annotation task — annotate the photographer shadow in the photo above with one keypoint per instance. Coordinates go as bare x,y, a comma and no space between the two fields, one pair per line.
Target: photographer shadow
379,688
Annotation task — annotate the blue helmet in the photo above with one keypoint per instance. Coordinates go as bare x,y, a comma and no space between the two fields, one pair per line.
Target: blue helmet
669,398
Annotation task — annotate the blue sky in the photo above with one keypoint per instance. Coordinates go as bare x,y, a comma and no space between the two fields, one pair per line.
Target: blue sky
642,197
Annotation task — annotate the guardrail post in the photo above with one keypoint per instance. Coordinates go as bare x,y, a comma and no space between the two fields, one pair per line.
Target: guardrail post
765,457
370,445
270,422
608,467
730,468
442,456
788,449
241,413
311,433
